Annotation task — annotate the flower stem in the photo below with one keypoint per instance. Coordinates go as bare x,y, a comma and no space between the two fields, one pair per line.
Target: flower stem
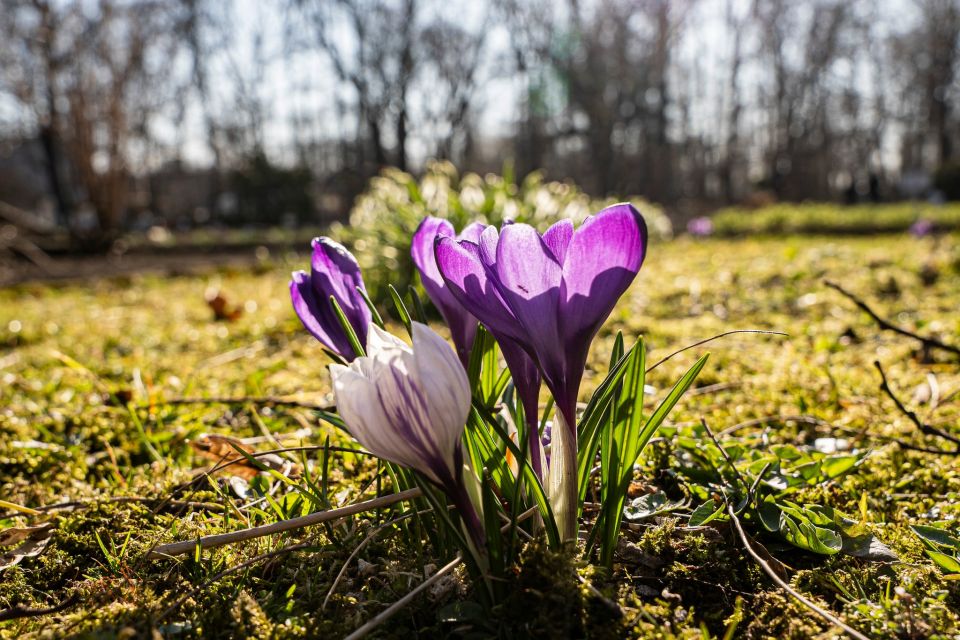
563,477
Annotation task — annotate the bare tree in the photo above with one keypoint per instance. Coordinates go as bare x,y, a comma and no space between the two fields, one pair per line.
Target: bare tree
91,78
377,60
450,77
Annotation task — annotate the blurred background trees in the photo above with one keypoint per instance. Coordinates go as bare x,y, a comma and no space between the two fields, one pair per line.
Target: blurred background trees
118,114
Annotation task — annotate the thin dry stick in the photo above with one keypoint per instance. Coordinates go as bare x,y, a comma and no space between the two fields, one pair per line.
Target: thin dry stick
711,339
927,341
223,464
596,593
243,565
823,613
925,428
209,542
16,612
713,388
388,613
87,503
726,456
276,401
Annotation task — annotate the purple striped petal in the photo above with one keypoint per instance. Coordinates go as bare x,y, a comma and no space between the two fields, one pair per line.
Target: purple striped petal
334,271
557,237
317,316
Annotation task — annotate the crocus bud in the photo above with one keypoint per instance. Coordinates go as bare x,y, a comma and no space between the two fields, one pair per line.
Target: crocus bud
333,272
409,406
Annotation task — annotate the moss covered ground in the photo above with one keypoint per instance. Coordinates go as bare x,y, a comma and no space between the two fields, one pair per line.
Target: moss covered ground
95,436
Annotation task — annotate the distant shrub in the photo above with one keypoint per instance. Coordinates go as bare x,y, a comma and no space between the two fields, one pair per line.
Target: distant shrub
947,180
268,193
385,217
813,218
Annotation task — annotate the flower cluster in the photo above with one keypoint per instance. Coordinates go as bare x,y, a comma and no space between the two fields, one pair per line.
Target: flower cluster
542,296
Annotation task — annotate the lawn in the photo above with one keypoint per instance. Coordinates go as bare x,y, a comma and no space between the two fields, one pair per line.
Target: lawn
109,387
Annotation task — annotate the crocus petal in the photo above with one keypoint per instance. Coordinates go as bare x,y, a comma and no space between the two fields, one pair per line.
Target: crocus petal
463,326
557,237
365,417
529,279
381,341
602,259
472,232
467,279
334,271
421,250
317,316
407,407
442,379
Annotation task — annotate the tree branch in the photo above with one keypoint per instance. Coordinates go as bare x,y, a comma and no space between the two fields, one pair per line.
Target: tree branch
928,342
209,542
924,428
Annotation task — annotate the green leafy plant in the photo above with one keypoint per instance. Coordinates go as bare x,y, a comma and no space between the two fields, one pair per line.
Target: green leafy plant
385,217
941,547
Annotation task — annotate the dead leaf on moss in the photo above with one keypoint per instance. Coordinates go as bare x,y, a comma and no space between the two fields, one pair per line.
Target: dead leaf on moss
31,546
13,535
225,449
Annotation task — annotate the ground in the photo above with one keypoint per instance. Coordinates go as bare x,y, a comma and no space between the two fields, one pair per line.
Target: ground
91,371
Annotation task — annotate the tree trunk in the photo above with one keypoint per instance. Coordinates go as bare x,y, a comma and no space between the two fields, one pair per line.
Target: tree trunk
48,140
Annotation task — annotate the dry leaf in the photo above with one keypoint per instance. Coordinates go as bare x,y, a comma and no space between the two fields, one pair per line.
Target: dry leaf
32,546
222,309
13,535
224,449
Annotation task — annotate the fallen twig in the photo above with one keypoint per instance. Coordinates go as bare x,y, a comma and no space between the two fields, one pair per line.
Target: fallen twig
823,613
276,401
799,419
18,611
209,542
223,464
72,505
596,593
713,388
388,613
928,342
726,456
927,429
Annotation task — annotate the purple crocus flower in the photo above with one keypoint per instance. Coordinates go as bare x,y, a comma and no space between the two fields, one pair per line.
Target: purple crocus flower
333,272
549,294
700,227
463,326
922,228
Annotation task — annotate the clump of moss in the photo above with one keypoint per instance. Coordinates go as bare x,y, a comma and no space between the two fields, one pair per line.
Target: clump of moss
546,600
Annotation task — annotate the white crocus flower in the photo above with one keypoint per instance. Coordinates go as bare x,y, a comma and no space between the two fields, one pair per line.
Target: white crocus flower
408,405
